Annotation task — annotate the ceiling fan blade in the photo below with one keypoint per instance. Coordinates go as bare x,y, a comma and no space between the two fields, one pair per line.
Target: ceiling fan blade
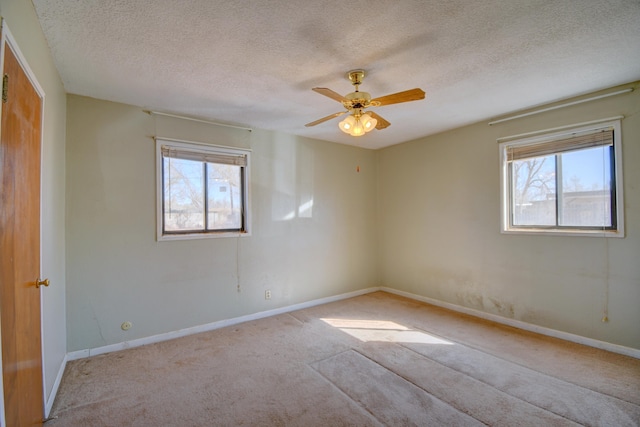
324,119
396,98
328,92
382,123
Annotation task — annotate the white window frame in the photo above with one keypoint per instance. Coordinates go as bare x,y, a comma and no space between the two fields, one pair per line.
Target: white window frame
204,149
505,197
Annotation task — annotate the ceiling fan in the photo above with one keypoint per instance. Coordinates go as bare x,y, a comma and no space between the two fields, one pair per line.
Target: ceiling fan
359,121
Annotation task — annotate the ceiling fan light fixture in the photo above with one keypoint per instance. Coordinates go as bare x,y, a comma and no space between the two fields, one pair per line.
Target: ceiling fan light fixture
352,125
368,122
347,124
358,125
358,129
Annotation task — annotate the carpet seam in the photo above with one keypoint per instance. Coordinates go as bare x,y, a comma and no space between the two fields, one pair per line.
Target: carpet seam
481,350
295,318
489,385
511,395
315,362
344,393
416,385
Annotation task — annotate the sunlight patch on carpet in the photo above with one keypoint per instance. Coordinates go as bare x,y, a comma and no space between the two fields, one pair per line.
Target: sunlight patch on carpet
384,331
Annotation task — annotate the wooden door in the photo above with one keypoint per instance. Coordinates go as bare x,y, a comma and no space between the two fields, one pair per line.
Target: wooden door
20,246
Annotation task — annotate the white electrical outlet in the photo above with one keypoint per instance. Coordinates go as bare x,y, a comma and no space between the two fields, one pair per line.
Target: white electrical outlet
126,326
267,294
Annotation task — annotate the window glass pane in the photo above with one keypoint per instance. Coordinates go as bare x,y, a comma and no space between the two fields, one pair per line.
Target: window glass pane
586,188
183,194
224,198
533,191
566,183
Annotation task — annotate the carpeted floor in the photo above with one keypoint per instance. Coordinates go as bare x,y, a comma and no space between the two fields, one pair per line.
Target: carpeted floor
373,360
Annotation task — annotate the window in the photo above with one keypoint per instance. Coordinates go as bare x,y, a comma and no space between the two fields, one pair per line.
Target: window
566,183
202,190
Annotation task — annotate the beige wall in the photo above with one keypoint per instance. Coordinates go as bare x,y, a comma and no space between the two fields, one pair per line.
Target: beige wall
439,212
118,272
421,217
21,20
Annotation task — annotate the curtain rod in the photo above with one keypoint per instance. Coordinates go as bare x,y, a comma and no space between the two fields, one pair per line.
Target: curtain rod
193,119
592,122
555,107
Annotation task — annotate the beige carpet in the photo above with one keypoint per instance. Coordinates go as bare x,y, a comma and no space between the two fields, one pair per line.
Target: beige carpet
373,360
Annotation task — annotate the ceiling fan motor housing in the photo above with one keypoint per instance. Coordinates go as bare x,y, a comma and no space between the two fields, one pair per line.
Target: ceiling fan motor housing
356,99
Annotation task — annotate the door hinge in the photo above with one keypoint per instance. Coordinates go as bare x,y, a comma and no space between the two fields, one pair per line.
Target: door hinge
5,88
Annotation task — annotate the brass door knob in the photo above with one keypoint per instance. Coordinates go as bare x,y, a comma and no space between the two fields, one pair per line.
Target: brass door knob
39,282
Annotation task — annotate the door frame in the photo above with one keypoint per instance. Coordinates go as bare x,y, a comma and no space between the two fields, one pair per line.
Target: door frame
8,39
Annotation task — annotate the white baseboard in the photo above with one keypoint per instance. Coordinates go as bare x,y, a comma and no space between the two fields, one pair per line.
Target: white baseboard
615,348
56,386
81,354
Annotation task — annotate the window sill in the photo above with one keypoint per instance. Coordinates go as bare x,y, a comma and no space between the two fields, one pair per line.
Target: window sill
197,236
557,232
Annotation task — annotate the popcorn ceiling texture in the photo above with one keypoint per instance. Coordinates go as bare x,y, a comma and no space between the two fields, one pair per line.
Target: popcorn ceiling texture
253,63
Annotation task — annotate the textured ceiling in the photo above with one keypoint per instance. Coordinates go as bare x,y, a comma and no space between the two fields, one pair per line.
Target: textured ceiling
253,63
